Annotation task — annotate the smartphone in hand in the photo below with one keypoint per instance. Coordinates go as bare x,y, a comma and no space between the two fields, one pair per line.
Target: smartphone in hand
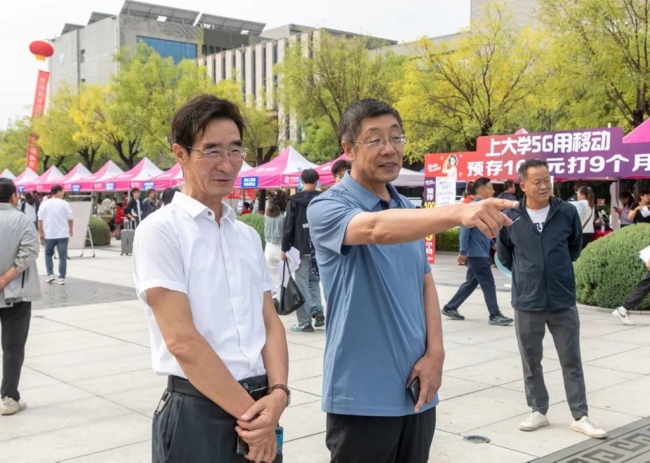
414,390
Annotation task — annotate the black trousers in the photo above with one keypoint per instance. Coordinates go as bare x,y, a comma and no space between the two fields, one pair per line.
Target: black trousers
639,293
479,272
370,439
587,238
195,429
15,327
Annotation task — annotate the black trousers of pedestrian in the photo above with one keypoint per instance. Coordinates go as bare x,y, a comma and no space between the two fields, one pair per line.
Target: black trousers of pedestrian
15,327
371,439
639,293
479,272
587,238
196,430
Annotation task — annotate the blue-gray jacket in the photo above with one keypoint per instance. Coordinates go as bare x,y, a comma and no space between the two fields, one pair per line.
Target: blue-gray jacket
542,263
473,243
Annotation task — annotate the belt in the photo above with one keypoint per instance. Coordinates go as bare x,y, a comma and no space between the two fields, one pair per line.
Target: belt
256,386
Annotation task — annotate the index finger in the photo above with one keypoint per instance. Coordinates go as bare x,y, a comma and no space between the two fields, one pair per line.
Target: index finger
505,203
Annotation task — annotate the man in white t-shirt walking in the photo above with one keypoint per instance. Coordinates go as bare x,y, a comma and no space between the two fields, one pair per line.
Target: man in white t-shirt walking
55,228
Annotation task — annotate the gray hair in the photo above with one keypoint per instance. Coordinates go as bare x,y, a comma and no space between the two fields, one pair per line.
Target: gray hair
350,124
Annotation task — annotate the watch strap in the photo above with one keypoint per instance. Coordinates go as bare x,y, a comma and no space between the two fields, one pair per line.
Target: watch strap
282,387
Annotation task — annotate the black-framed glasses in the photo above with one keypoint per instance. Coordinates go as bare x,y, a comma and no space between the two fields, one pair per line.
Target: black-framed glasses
235,154
376,142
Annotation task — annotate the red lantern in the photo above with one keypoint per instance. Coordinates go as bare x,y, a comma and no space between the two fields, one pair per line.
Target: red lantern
41,49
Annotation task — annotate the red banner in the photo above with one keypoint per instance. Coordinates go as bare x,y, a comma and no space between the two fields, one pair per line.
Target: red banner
40,98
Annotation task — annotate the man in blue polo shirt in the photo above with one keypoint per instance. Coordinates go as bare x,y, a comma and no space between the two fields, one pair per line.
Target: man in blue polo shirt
383,327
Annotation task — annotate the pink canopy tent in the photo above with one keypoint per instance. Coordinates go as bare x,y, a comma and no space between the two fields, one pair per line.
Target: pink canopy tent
277,173
168,179
7,174
95,182
138,177
27,175
324,172
77,173
50,176
639,135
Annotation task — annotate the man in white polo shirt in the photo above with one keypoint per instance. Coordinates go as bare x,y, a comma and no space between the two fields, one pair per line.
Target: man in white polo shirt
205,284
55,228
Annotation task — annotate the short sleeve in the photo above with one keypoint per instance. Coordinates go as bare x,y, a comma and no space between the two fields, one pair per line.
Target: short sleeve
328,216
68,211
427,267
645,212
42,212
157,258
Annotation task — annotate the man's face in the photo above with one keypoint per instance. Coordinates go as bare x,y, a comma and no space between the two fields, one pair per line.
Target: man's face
486,191
212,177
646,198
537,184
151,196
339,176
378,164
512,190
136,194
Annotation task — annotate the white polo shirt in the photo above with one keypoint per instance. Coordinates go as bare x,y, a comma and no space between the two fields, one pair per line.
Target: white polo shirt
55,214
221,269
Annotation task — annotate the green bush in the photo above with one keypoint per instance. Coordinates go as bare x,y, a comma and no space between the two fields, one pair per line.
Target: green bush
448,241
609,268
257,222
100,232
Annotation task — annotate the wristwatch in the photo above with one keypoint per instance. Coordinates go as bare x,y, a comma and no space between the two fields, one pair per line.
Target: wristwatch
284,388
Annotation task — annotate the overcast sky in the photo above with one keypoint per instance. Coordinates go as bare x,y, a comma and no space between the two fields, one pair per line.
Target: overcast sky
24,21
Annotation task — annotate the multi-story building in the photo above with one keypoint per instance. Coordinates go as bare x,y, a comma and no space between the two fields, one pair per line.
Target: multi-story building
85,53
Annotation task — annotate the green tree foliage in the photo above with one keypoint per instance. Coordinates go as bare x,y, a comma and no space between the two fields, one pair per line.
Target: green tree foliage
601,53
609,268
13,145
481,83
318,86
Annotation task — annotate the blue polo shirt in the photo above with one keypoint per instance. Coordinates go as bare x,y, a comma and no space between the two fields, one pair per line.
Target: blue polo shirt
376,328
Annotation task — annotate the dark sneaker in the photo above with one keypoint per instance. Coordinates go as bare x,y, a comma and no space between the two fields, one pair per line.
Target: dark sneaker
302,329
500,320
452,313
319,316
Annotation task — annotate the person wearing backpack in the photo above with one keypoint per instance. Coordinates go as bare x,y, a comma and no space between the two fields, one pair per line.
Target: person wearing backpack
29,207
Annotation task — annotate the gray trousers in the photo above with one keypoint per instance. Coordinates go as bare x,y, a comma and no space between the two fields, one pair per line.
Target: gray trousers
309,286
565,329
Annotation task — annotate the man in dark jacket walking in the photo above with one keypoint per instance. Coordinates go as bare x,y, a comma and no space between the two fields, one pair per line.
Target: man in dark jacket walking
475,253
134,210
296,234
540,248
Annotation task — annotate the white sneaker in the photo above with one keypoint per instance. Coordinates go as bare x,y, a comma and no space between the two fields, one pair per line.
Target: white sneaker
50,279
11,407
535,421
61,281
586,427
623,316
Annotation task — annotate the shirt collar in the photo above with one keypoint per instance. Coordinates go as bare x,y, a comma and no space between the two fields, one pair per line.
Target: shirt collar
368,199
195,208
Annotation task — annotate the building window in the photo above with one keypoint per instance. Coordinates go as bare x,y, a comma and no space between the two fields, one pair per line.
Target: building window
82,56
253,69
178,51
276,82
83,81
223,67
204,50
214,69
234,60
287,129
243,72
275,53
211,49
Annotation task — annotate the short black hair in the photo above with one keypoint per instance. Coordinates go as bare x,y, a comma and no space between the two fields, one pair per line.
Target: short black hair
644,191
135,190
469,189
247,204
508,184
56,189
530,164
168,195
7,189
353,117
481,182
340,166
309,176
191,119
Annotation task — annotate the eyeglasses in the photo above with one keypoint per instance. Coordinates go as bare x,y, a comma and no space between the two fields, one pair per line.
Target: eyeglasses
376,143
236,154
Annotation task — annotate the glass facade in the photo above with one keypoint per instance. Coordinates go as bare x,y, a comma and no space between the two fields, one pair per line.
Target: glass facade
178,51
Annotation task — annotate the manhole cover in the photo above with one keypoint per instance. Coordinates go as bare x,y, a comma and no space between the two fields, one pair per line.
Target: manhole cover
477,439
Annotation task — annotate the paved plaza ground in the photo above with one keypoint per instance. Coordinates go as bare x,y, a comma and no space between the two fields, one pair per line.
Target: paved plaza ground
91,391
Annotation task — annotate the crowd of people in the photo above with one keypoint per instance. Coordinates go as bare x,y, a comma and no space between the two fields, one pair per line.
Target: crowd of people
207,287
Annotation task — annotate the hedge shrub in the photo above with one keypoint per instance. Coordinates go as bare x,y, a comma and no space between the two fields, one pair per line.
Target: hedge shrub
257,222
100,232
609,268
448,241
